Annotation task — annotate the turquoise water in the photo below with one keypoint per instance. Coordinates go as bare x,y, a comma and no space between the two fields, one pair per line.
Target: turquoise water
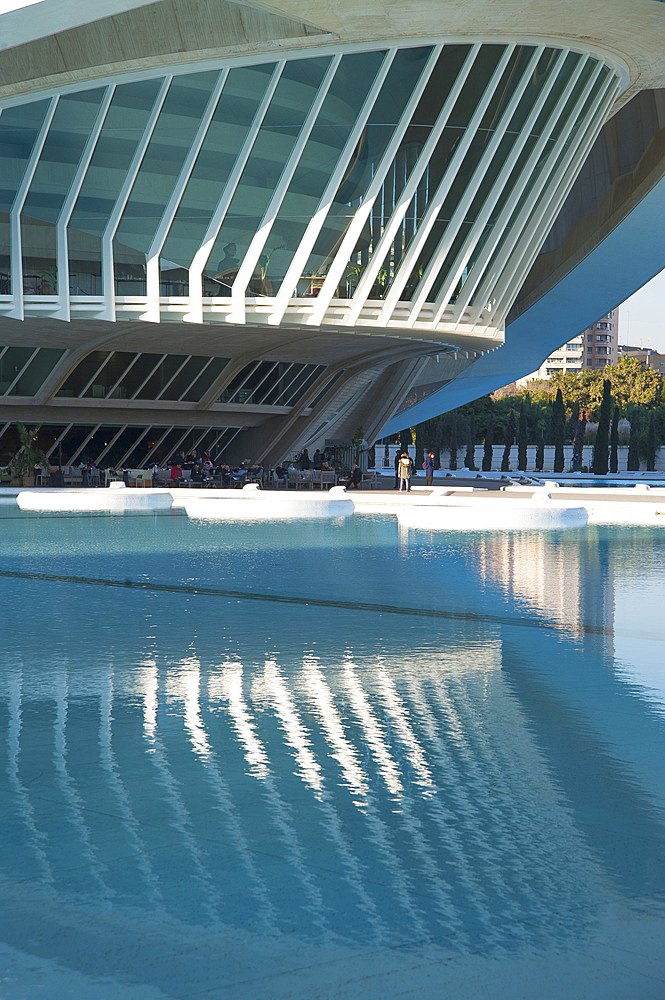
329,759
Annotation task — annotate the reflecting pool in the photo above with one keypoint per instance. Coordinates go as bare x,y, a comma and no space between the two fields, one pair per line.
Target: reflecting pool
329,759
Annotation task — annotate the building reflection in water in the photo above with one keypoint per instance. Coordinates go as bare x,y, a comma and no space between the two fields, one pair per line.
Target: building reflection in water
385,801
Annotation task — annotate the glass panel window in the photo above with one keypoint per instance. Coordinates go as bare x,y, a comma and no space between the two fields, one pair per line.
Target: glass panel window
353,79
37,371
230,124
326,388
136,375
122,131
110,457
72,441
398,86
293,97
69,131
213,370
11,363
19,128
104,381
78,379
189,372
158,380
177,124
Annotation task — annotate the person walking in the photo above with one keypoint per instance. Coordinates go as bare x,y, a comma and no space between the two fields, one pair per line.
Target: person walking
404,472
428,466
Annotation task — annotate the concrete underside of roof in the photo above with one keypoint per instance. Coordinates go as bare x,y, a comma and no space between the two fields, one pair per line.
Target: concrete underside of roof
176,32
376,372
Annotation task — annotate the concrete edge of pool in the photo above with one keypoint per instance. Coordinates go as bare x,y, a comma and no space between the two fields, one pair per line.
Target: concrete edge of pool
513,507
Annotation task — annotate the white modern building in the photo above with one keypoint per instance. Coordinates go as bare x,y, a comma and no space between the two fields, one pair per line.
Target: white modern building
249,228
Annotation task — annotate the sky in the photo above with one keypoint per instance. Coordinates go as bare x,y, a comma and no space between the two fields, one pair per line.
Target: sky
7,5
642,316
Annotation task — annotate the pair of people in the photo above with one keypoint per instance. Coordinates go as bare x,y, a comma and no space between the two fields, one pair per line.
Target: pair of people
403,471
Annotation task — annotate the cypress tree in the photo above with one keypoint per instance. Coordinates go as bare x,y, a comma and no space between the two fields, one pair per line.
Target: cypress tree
614,441
578,445
651,444
470,457
521,440
438,441
540,450
558,430
633,464
487,449
601,448
420,446
509,439
453,445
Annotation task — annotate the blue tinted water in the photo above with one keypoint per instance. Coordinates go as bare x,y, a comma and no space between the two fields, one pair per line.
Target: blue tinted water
219,778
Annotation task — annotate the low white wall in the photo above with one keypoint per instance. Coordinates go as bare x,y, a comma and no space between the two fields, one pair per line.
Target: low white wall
587,457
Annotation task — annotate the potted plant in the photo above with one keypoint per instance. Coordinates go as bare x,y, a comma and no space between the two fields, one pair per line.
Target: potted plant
23,463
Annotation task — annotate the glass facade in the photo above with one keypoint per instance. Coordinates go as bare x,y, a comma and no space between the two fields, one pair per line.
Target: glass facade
236,165
127,375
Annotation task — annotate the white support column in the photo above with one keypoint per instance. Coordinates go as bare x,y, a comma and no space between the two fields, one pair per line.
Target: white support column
258,242
478,269
195,313
16,251
108,269
457,219
61,243
378,254
363,212
493,196
316,223
557,194
501,280
152,314
429,218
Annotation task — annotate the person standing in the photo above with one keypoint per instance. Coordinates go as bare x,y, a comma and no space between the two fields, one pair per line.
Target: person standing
397,458
404,472
428,466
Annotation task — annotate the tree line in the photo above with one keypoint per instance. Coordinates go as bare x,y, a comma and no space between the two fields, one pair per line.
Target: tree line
555,413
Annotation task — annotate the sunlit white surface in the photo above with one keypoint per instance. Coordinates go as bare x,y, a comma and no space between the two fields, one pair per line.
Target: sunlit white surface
78,501
478,512
252,503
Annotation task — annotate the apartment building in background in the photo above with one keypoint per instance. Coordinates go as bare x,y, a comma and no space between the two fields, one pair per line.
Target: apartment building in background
649,357
595,348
